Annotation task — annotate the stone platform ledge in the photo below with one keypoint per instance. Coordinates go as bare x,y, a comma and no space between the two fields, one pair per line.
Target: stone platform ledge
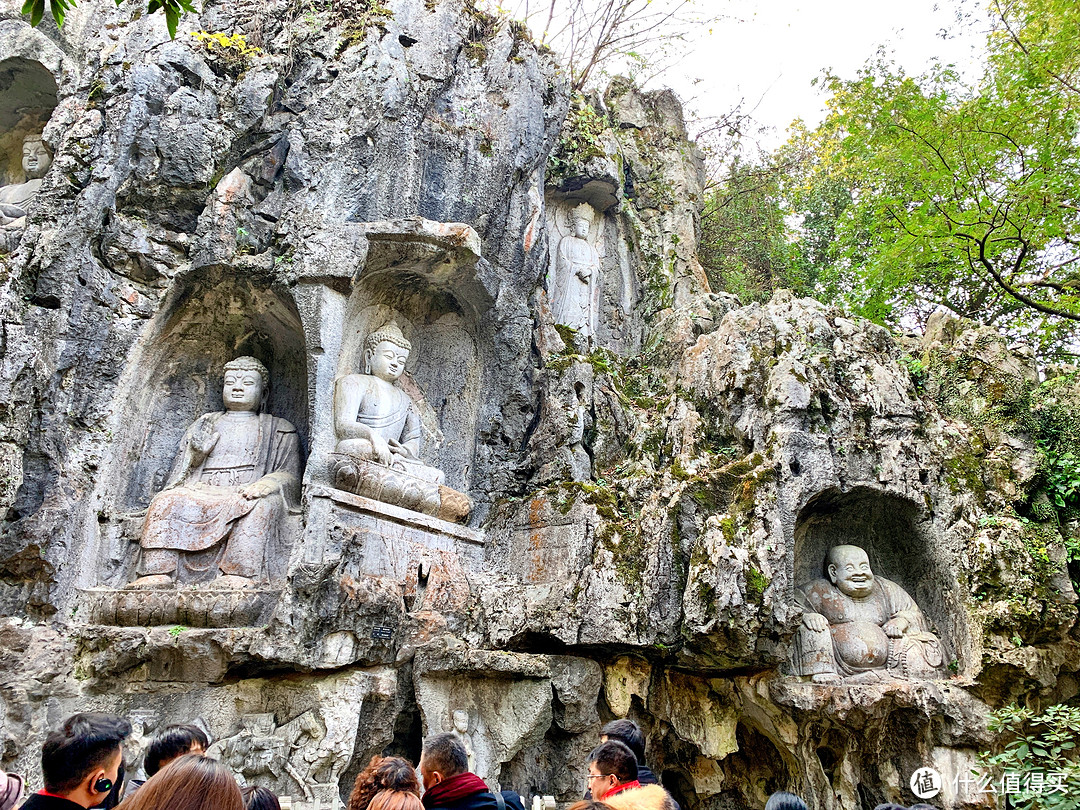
189,606
397,514
841,700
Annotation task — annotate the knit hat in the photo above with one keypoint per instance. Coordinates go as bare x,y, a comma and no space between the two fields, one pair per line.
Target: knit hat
11,788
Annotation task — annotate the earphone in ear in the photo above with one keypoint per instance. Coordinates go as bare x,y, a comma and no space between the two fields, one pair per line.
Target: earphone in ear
103,785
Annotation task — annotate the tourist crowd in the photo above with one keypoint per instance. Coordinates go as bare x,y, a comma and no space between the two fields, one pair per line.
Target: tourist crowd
82,767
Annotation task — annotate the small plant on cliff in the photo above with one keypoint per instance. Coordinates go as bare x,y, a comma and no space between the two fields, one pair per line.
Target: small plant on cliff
360,16
580,140
1036,756
232,51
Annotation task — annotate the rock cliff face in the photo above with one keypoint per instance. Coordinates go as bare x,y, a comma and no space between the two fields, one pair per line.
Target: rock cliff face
653,469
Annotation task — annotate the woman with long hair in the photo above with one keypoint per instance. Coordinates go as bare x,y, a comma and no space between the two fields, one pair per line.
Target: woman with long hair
190,782
383,773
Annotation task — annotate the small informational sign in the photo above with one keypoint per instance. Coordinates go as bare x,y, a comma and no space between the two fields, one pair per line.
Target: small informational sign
381,631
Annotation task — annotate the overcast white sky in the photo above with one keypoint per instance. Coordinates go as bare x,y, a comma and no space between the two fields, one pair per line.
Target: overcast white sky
768,51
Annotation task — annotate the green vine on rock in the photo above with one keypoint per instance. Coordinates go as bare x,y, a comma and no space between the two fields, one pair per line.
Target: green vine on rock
581,139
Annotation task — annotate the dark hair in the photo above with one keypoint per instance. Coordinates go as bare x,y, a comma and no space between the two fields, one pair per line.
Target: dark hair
784,801
82,744
259,798
190,782
626,731
445,753
396,800
170,743
614,757
383,773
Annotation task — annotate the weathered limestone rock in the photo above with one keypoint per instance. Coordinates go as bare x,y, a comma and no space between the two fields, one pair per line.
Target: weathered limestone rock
650,478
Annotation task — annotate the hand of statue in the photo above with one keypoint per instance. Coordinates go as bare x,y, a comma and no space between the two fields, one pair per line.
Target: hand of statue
895,628
815,622
584,273
381,448
397,448
11,212
259,489
203,441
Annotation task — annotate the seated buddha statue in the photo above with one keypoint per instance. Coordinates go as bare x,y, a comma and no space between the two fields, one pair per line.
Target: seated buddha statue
859,628
15,198
378,432
236,478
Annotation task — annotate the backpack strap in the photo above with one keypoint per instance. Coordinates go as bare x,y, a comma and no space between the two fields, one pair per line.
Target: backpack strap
499,800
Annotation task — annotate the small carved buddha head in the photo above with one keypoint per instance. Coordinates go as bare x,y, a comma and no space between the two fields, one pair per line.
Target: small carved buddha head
246,384
36,158
849,570
385,353
461,721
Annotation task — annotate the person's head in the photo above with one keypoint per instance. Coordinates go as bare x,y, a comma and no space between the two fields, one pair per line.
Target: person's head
461,721
172,742
245,384
442,756
11,789
848,568
396,800
784,801
36,158
610,764
383,773
628,732
190,782
385,353
259,798
81,760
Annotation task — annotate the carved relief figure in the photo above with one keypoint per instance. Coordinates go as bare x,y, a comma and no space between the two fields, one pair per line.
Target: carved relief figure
575,288
861,628
15,199
461,731
378,431
581,465
236,478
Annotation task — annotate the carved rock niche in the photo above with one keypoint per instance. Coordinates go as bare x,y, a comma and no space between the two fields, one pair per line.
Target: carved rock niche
902,545
27,99
175,378
425,280
28,96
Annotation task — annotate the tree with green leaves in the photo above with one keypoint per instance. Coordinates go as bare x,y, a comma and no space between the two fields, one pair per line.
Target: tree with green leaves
744,245
934,192
173,9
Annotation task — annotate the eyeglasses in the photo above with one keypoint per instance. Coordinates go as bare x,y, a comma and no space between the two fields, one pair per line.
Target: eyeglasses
598,776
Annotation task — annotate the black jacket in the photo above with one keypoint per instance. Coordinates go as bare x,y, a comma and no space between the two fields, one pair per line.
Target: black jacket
483,800
646,776
39,802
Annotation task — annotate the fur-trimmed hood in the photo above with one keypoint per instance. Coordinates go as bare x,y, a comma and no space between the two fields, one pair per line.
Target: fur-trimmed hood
646,797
